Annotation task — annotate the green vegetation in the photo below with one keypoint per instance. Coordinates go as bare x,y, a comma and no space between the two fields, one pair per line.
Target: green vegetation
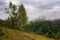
1,33
18,16
47,28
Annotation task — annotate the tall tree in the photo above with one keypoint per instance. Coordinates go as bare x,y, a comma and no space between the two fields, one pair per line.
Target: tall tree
22,17
13,14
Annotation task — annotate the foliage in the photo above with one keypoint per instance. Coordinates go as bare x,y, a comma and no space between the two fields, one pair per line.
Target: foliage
17,17
1,22
1,33
46,28
22,17
0,39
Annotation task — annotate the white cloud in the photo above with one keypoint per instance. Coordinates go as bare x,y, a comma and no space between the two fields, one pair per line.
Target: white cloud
32,12
36,8
13,1
3,15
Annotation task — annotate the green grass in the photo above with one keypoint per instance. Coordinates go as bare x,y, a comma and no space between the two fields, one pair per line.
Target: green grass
11,34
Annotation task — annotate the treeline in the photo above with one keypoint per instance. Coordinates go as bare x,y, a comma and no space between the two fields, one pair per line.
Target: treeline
47,28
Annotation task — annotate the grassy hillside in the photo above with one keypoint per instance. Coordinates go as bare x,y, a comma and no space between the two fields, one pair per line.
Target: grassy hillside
11,34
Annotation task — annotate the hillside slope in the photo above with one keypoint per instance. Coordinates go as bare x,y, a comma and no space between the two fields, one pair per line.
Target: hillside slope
11,34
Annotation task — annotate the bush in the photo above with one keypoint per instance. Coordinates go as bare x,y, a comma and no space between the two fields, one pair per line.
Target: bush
1,33
0,38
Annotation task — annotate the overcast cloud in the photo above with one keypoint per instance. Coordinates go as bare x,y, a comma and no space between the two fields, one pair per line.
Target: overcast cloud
35,8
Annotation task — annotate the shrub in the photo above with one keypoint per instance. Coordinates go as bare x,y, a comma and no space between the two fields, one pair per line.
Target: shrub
1,33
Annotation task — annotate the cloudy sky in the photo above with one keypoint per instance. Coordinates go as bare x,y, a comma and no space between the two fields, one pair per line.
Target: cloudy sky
49,9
